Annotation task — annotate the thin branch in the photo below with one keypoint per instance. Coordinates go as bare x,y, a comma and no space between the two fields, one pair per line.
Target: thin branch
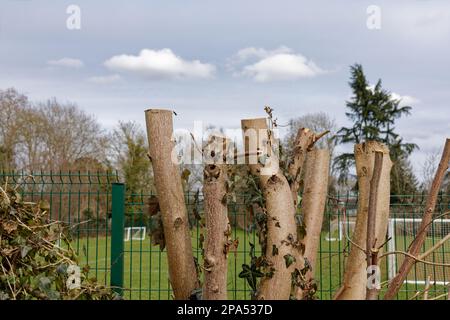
371,251
435,247
317,138
7,280
418,241
439,296
416,259
418,293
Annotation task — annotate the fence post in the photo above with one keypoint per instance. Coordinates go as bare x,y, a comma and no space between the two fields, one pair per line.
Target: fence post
117,227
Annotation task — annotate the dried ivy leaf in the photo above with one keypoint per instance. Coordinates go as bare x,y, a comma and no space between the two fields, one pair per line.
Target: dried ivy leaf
24,251
9,226
44,205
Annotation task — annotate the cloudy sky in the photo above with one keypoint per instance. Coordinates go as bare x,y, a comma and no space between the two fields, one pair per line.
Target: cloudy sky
221,61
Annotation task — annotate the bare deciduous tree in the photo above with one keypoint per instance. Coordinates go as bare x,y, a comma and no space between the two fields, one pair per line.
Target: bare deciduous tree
50,135
129,155
429,167
12,103
69,134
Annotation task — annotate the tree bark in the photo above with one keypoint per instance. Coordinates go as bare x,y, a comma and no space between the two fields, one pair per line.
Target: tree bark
280,211
355,275
303,141
372,252
416,245
313,206
217,232
182,270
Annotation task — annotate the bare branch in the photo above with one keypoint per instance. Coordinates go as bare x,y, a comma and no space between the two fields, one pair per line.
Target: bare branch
417,243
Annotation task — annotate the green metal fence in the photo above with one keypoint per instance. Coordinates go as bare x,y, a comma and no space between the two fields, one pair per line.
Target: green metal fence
108,232
80,199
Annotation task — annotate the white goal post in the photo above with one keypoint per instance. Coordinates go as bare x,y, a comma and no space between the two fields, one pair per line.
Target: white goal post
339,227
135,233
402,231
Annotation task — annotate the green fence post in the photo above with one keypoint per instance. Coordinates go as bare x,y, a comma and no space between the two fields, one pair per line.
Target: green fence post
117,227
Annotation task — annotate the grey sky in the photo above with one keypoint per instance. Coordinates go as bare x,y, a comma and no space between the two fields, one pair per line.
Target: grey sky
411,53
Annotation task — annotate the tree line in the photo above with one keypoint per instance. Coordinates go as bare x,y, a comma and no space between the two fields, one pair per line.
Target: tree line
60,136
56,136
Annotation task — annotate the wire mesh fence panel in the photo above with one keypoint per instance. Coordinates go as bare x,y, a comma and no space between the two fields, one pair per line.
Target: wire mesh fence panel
82,200
146,269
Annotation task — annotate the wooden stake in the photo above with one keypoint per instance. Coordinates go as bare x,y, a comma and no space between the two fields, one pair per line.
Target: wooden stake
182,270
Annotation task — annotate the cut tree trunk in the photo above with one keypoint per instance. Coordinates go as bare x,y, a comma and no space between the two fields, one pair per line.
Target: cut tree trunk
355,275
303,141
218,229
416,245
313,207
182,270
280,210
217,232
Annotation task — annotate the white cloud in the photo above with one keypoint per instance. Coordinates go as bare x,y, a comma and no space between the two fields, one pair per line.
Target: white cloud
66,62
245,54
160,64
276,65
104,79
405,100
282,67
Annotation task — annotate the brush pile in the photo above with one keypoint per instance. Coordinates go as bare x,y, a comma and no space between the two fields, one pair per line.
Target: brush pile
36,259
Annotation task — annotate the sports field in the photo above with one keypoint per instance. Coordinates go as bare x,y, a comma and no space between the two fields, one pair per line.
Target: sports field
146,272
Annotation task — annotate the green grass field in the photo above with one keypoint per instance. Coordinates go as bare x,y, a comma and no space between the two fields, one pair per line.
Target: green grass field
146,272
